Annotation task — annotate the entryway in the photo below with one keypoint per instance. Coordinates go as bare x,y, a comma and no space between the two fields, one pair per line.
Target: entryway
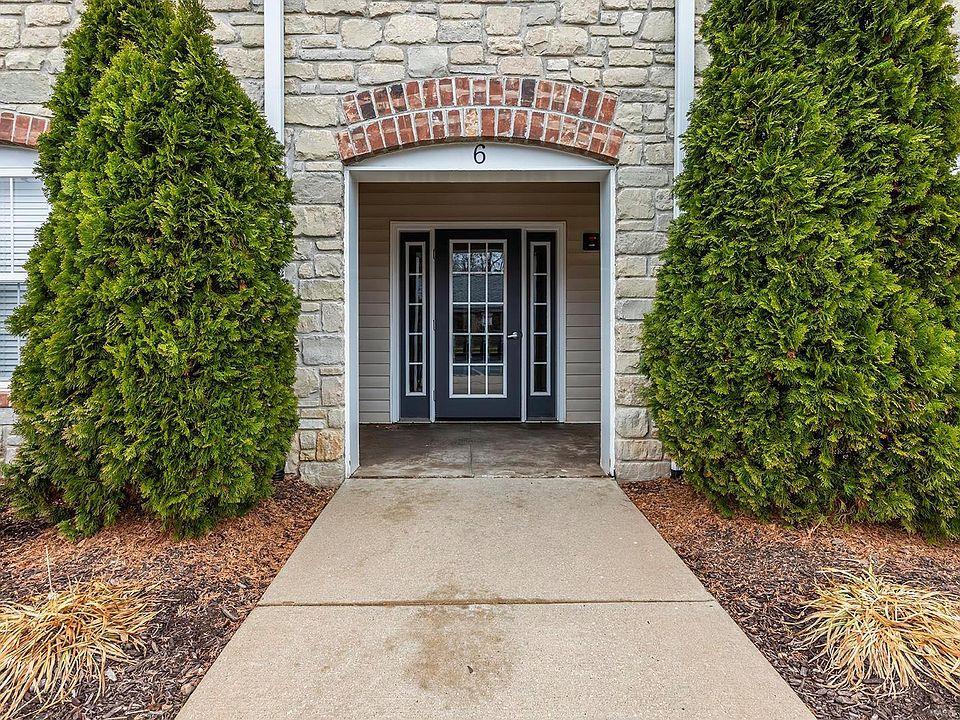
479,449
480,330
479,292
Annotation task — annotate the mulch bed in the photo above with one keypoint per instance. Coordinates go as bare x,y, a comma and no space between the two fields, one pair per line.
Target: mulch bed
202,588
762,573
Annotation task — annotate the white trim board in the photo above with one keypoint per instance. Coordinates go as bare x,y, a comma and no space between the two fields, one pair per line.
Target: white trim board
450,163
684,80
273,85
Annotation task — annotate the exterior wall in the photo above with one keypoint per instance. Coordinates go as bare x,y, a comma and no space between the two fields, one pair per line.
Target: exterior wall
577,205
336,47
31,52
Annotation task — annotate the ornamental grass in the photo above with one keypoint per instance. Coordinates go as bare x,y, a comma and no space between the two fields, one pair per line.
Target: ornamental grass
48,648
872,629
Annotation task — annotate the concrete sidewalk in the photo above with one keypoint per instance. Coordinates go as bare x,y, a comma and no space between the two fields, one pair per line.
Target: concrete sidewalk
488,598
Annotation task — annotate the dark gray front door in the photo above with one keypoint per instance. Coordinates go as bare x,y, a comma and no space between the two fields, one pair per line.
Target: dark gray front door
478,324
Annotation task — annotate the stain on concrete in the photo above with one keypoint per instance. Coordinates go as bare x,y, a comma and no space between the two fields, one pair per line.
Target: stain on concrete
404,507
460,653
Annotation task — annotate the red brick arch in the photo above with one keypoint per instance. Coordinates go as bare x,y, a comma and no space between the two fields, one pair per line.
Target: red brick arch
17,128
455,109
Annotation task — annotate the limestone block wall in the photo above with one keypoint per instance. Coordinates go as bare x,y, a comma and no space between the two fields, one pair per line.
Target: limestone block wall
336,47
31,51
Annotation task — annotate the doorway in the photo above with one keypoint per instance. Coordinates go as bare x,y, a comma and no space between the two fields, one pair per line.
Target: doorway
402,347
480,316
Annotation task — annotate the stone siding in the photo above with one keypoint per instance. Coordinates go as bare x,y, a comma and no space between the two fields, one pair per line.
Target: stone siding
31,52
624,47
337,47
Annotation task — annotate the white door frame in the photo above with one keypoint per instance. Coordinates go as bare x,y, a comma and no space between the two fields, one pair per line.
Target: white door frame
560,228
455,162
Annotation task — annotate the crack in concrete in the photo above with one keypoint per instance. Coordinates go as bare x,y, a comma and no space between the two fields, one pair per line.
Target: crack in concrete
470,602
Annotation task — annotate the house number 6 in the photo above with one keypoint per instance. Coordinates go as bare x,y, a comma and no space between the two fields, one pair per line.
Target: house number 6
479,156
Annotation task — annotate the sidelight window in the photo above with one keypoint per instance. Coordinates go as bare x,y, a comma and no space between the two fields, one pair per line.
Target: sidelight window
540,314
416,320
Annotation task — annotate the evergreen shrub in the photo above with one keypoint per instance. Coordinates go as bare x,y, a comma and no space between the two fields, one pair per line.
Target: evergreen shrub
798,364
173,326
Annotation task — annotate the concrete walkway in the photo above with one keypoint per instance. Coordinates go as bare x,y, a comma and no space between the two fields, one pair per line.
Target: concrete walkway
493,598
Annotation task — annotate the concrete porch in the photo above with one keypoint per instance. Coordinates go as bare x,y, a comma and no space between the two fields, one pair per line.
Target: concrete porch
477,449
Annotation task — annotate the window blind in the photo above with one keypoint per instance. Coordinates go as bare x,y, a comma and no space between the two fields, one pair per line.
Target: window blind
23,208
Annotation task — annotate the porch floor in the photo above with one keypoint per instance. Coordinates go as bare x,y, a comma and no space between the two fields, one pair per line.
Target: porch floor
480,450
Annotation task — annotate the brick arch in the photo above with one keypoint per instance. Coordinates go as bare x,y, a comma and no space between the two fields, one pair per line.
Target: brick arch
17,128
508,109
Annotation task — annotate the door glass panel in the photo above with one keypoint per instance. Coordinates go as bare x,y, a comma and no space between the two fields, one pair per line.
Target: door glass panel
461,283
477,321
478,258
460,348
495,288
540,307
461,257
495,379
478,288
478,349
460,318
496,319
540,283
540,259
460,377
416,339
478,380
495,349
477,272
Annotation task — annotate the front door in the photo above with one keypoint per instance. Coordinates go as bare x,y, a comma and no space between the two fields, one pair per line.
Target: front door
479,291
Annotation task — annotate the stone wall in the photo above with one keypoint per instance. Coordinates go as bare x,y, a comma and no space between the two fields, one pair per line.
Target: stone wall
31,52
334,47
338,46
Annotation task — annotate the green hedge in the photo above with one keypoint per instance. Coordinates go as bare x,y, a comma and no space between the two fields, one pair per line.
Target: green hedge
801,351
167,344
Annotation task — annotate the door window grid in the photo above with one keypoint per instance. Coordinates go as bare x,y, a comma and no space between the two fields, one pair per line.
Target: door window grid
416,315
540,312
477,319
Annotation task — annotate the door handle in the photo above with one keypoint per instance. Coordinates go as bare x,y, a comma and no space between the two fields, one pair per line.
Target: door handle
514,335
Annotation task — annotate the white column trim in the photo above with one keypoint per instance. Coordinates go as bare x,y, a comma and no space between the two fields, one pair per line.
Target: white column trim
608,289
273,65
685,64
351,325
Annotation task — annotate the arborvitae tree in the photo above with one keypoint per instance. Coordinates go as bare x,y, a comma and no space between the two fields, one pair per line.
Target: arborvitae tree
104,27
771,345
890,67
170,300
55,455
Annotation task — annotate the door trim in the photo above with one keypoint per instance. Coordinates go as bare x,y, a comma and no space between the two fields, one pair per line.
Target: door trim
560,228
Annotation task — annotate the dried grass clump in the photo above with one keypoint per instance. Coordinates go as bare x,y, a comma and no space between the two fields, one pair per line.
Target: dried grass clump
48,648
873,629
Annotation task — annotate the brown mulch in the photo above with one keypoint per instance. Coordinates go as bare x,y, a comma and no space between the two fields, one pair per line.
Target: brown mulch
762,573
203,588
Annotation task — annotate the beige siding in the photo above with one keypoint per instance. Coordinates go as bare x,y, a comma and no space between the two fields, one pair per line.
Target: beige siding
577,204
